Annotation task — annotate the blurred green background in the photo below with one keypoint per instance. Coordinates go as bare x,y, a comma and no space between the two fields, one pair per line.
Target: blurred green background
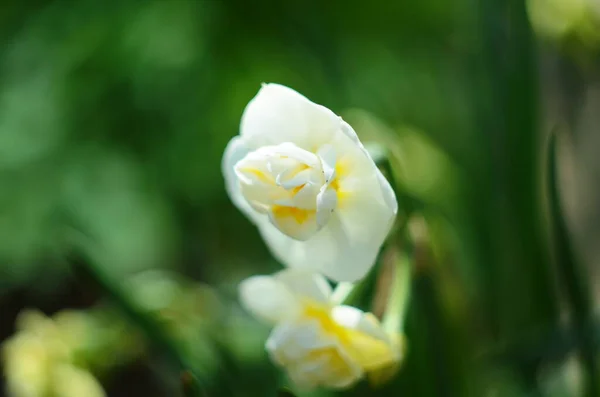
114,116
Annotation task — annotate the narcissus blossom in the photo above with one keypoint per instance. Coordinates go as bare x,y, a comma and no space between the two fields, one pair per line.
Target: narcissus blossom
300,173
318,343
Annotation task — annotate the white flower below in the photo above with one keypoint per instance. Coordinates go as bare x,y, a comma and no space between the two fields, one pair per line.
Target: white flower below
301,175
317,343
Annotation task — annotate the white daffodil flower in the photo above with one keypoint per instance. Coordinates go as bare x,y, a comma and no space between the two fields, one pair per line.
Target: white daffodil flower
318,343
300,173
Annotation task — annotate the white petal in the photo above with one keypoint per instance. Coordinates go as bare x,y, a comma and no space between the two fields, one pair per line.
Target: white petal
281,347
289,149
335,370
330,252
353,318
268,299
326,203
304,375
278,114
235,151
299,178
311,357
327,155
305,285
305,198
367,214
292,342
350,133
387,193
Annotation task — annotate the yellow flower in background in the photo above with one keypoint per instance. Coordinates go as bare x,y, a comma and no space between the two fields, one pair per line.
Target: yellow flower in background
300,173
72,381
318,343
39,359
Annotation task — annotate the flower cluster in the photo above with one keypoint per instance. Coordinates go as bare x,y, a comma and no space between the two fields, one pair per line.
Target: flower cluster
301,175
318,342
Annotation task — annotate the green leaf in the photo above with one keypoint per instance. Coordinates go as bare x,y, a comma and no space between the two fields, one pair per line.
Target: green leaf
576,289
285,393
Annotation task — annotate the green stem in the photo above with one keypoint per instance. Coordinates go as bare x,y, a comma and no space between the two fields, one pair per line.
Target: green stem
395,312
342,292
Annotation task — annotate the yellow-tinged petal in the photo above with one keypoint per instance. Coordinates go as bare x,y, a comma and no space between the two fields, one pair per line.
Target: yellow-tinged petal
298,223
380,376
366,340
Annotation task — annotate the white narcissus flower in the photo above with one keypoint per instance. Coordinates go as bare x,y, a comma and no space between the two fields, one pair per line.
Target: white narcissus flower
318,343
300,173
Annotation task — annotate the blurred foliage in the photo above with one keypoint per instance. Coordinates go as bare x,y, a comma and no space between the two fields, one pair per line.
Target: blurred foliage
114,116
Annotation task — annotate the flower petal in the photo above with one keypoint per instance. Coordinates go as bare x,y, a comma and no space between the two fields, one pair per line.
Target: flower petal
311,357
290,342
330,252
235,151
305,285
353,318
331,368
327,155
368,343
326,203
297,223
268,299
278,114
387,192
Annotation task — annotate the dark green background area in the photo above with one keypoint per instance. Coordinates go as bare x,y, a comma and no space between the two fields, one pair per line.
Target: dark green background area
114,116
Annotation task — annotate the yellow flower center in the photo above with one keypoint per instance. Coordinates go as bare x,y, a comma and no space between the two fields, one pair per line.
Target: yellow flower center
296,188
